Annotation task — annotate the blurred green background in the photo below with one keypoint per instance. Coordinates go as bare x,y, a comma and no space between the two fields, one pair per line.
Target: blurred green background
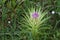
11,13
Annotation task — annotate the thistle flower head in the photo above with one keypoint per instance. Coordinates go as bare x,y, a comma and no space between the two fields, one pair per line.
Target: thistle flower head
35,15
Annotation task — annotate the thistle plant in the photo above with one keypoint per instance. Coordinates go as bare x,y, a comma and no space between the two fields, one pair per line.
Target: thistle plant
33,20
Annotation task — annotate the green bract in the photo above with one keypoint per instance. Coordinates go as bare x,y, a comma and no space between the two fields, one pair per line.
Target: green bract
34,25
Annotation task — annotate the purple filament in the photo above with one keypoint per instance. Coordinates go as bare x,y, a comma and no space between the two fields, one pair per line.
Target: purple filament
35,15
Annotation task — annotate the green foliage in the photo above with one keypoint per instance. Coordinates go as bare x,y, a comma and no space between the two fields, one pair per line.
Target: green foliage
16,22
35,26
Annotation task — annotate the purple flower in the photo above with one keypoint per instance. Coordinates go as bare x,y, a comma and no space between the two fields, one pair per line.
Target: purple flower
35,15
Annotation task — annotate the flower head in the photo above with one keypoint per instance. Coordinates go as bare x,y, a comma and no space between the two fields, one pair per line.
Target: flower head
35,15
